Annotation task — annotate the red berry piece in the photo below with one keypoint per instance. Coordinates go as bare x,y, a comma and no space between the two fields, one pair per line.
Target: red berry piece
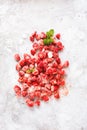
25,68
17,90
58,36
30,103
43,35
48,86
32,95
33,52
58,60
24,87
24,93
49,71
38,37
34,34
62,83
27,56
45,98
41,55
60,46
66,64
37,94
54,88
37,102
31,38
21,73
25,79
17,57
62,72
35,46
56,95
18,67
22,62
20,80
36,72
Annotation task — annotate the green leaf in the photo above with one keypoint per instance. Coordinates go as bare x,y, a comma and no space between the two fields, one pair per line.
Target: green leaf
50,33
48,41
51,40
45,41
30,70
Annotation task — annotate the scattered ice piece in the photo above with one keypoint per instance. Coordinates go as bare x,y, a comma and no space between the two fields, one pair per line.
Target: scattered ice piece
25,36
26,75
31,89
64,91
50,54
35,65
21,41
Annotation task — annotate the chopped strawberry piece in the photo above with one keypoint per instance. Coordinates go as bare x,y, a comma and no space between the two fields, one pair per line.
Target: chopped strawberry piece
18,67
58,36
17,57
66,64
37,102
33,52
17,90
24,93
45,98
30,103
22,63
56,95
21,73
32,39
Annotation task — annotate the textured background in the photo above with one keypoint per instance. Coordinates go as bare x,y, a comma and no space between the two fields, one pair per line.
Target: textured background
18,19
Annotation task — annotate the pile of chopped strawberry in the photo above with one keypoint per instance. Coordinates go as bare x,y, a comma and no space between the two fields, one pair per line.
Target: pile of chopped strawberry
41,73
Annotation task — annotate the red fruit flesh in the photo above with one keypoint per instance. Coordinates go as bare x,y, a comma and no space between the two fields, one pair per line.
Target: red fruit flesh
17,57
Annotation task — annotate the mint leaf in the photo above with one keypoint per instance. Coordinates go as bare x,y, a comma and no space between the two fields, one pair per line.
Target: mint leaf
45,41
48,41
50,33
51,40
29,71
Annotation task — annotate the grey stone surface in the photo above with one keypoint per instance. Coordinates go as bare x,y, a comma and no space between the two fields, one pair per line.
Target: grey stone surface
18,19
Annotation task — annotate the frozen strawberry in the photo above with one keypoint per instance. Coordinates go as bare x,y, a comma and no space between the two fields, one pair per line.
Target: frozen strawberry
33,52
35,46
37,102
31,38
56,95
38,37
17,57
30,103
18,67
58,36
45,98
24,93
17,90
21,73
22,62
25,68
66,64
43,35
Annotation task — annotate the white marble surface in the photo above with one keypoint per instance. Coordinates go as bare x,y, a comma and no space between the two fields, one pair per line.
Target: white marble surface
18,18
